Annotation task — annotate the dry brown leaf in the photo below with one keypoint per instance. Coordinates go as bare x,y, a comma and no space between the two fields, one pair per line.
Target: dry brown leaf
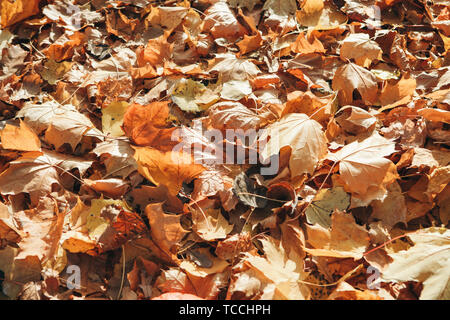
359,47
250,43
402,92
165,229
355,120
62,123
37,172
305,137
304,46
221,22
391,209
352,77
310,12
277,268
362,165
280,14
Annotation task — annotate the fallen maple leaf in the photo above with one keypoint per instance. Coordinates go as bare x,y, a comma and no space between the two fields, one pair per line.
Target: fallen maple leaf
20,138
222,23
156,52
280,14
62,123
112,118
427,261
304,46
399,93
38,171
345,239
310,12
250,43
324,204
362,165
352,77
146,125
117,156
355,120
170,168
165,229
303,135
210,224
277,268
359,47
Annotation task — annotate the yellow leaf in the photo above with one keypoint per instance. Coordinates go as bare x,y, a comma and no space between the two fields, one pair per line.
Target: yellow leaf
324,204
112,118
53,71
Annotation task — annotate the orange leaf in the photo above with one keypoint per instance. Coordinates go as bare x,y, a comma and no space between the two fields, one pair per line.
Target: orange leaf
18,10
400,93
146,125
64,51
437,115
170,168
156,52
304,46
250,43
165,229
22,138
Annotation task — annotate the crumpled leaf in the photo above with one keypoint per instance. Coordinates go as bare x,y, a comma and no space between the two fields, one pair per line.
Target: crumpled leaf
392,209
165,229
310,12
222,23
117,156
355,120
280,14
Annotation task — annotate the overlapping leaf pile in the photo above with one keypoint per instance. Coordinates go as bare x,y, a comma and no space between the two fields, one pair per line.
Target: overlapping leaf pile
100,99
